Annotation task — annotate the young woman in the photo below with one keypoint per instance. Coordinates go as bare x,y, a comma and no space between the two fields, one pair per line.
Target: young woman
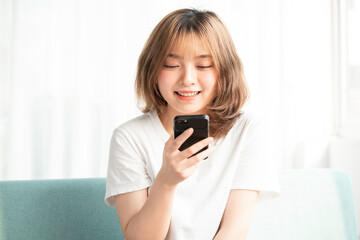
189,66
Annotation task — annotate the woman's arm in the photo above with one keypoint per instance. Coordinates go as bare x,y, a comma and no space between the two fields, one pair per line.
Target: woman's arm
148,217
238,214
143,217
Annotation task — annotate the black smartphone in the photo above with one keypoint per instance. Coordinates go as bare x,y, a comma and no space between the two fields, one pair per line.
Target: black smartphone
200,124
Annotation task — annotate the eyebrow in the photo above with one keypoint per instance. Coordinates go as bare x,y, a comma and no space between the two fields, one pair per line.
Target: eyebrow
171,55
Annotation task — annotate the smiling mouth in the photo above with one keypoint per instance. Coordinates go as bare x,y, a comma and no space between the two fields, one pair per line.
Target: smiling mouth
187,94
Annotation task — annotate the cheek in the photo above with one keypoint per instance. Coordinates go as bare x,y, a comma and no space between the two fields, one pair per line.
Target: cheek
162,74
214,80
210,80
163,83
166,77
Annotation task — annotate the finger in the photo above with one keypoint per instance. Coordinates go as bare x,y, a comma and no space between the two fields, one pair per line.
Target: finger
200,156
182,137
170,140
193,149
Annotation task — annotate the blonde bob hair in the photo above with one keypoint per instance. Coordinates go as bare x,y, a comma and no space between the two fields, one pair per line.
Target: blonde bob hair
231,91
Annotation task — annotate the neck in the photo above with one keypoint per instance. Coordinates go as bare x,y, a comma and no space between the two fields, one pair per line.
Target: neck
167,121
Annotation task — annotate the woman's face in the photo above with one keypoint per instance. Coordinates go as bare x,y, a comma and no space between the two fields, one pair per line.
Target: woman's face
188,78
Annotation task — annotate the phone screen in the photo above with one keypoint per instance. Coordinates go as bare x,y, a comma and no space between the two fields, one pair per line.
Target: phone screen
200,124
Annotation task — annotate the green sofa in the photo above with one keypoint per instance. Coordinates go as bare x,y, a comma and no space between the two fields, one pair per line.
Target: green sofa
56,209
315,204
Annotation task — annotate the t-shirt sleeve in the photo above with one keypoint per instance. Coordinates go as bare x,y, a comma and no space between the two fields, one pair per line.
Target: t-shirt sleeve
255,170
126,168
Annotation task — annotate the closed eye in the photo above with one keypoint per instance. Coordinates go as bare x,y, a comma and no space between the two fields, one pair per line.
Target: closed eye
170,66
205,66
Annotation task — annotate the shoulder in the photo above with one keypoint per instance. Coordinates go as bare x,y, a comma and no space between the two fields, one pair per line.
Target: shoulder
134,128
135,124
248,121
247,125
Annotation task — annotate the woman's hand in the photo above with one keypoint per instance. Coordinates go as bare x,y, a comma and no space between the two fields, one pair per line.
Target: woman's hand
178,166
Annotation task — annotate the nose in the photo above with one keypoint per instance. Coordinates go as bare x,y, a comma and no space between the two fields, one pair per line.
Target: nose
189,76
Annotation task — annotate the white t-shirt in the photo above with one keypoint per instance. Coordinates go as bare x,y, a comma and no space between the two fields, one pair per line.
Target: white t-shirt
238,162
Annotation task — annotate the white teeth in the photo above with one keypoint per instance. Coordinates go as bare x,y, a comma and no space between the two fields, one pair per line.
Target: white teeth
188,94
